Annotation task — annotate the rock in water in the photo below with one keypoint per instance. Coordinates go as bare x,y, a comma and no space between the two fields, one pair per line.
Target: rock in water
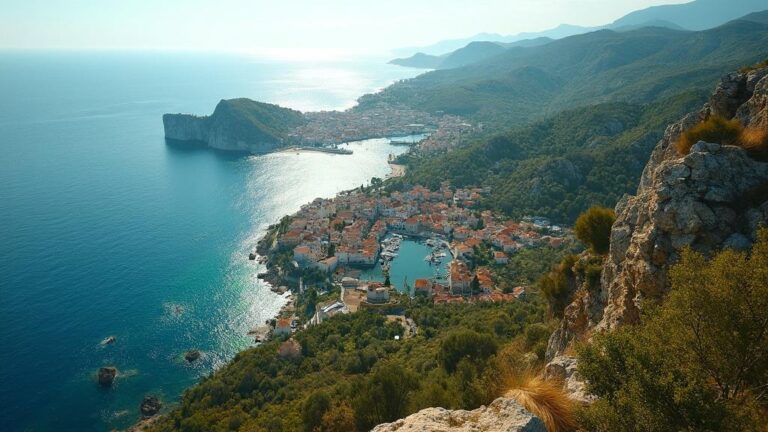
107,376
192,355
502,415
150,406
251,256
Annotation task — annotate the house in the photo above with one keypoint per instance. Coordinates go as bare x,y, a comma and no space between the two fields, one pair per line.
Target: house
458,277
302,254
519,292
377,294
422,287
500,257
282,328
327,265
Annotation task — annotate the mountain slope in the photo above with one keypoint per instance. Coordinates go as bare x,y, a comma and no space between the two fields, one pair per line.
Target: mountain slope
523,84
696,15
472,53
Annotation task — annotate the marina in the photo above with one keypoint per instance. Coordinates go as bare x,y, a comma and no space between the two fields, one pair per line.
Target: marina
406,259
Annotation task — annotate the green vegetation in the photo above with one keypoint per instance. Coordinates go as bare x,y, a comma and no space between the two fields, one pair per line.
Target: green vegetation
593,227
353,371
561,166
558,285
639,66
255,121
698,362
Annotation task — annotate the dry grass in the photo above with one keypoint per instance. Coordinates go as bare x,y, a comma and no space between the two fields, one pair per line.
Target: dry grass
714,130
755,141
546,400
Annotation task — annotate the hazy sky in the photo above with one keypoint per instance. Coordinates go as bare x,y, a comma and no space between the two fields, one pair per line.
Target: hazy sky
285,26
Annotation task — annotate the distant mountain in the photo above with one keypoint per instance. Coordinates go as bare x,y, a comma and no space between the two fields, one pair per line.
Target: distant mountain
524,84
696,15
472,53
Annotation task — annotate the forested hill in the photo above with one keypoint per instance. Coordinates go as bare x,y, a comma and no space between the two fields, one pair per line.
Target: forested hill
639,66
563,165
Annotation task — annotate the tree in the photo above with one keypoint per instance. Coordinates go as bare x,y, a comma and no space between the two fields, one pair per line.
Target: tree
314,408
340,418
387,282
697,362
465,344
475,285
331,250
383,396
593,227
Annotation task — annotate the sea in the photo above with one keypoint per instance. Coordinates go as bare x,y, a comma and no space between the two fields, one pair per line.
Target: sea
105,230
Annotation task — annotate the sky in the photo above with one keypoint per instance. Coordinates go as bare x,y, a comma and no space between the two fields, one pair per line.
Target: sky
285,27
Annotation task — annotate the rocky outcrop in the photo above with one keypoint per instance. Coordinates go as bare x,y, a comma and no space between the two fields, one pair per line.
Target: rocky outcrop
502,415
150,406
712,198
236,125
192,355
564,369
107,376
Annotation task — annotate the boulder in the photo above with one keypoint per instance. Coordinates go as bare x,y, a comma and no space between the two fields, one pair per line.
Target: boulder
502,415
150,406
107,376
192,355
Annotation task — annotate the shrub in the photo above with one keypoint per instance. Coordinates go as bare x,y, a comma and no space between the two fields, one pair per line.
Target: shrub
465,344
593,227
698,362
314,408
714,130
557,285
340,418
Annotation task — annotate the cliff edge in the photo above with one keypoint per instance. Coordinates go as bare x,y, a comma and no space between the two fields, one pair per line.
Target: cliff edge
236,125
714,197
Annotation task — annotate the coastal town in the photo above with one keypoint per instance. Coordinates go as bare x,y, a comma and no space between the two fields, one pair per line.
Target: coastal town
327,128
333,241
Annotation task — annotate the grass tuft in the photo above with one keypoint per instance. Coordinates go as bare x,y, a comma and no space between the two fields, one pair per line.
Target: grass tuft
546,400
713,130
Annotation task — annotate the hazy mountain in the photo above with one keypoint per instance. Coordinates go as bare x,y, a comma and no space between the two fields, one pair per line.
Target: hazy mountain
472,53
696,15
522,84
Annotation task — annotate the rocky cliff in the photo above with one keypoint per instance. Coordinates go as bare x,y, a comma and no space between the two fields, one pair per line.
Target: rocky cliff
236,125
502,415
714,197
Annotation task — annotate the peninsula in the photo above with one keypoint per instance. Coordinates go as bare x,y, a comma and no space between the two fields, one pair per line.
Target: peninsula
244,125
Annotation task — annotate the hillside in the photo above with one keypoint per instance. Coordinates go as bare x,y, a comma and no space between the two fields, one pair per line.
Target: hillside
236,125
638,66
560,166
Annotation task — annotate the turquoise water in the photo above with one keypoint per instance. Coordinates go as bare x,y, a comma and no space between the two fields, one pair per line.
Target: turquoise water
409,265
106,230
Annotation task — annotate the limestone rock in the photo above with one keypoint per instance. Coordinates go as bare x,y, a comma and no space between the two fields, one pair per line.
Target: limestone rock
715,197
150,406
107,376
502,415
564,369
